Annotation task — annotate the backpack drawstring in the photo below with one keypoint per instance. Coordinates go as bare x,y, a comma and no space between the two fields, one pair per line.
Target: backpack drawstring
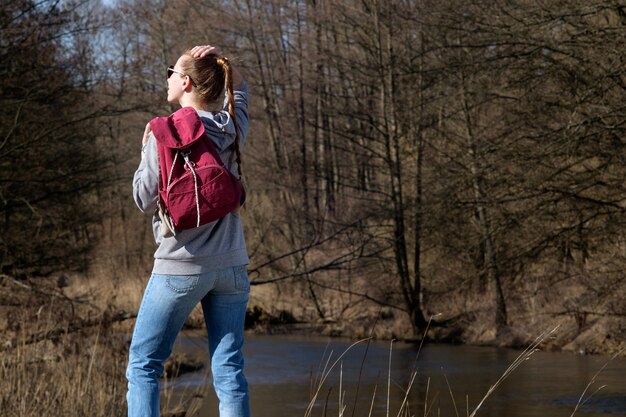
195,184
169,179
189,165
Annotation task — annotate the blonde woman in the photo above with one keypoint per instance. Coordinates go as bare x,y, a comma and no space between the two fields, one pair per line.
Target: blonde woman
206,264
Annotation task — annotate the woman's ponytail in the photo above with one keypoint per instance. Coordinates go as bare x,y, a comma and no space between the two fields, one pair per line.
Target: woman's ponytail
228,82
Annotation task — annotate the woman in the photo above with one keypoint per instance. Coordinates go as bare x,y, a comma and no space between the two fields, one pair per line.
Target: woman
204,265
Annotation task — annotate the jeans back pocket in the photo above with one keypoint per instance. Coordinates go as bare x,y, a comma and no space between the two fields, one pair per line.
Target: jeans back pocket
241,278
182,283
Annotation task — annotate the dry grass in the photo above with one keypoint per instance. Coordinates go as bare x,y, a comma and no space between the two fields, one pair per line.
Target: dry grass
80,373
78,369
76,376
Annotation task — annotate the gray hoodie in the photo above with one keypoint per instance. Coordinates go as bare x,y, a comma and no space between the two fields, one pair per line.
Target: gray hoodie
213,246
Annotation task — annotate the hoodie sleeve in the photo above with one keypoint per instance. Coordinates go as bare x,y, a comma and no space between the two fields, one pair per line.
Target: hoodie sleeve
218,124
241,110
145,181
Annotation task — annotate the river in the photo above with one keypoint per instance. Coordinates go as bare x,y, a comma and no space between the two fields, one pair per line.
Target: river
281,370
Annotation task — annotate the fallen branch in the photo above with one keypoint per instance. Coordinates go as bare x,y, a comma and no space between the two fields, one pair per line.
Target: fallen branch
586,312
58,295
55,333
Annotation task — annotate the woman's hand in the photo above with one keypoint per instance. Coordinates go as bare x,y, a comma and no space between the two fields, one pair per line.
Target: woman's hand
144,142
146,134
204,50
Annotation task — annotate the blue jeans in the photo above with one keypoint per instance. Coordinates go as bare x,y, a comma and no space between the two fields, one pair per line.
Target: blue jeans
167,302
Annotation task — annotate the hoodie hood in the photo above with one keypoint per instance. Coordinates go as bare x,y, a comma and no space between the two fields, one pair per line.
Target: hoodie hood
178,130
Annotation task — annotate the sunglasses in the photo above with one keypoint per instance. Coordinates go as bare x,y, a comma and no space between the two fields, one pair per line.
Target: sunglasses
171,70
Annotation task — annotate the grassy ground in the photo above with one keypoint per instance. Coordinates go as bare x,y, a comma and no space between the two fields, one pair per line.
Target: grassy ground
46,371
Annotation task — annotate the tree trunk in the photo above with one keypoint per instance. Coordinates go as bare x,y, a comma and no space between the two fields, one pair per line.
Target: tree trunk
388,93
483,215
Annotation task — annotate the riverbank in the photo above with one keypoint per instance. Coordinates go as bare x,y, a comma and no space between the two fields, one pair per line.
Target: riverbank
604,336
63,300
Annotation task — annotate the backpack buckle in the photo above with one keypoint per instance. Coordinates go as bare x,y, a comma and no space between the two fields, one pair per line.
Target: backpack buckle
188,164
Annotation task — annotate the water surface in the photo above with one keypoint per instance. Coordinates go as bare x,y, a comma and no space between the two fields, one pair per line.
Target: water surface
282,369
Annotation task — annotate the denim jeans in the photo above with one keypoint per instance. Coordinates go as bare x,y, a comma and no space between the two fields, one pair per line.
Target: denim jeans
167,302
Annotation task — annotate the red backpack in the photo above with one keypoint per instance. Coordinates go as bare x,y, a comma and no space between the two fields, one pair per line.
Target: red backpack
195,187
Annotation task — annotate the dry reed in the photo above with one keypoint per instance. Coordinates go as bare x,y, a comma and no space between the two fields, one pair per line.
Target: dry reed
69,377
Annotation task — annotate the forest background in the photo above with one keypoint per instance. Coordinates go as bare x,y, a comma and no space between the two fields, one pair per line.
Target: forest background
460,160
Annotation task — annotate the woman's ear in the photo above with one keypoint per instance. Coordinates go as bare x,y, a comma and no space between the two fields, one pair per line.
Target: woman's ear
187,84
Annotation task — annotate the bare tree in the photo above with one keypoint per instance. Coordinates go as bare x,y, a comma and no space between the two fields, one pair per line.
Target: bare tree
49,164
